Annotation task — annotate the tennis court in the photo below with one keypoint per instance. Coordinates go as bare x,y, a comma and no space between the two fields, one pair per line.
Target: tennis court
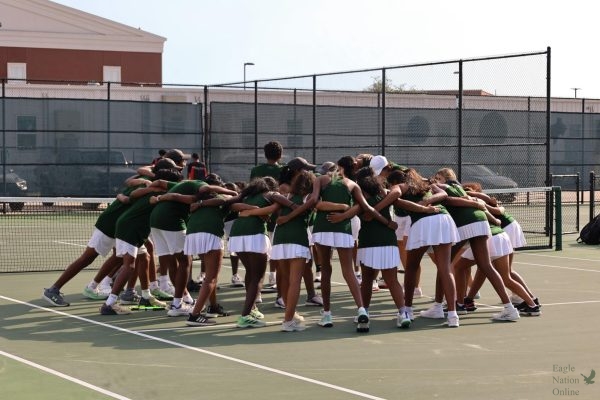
75,353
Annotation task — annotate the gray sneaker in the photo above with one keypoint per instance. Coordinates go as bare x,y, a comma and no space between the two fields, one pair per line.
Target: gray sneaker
129,297
54,297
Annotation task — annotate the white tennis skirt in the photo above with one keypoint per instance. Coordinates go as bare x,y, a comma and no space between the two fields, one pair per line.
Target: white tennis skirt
259,243
167,242
101,243
498,246
515,233
355,225
431,231
201,243
381,257
334,239
403,226
288,251
475,229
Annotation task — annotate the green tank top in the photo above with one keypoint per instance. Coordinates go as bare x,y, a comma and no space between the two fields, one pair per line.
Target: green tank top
373,233
336,192
208,220
244,226
294,231
463,215
173,215
415,216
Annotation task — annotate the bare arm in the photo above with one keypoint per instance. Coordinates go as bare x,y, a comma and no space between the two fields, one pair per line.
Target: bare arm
330,206
307,205
260,212
416,207
360,199
336,217
156,186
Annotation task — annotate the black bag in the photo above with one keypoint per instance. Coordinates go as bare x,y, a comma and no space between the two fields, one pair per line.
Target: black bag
590,233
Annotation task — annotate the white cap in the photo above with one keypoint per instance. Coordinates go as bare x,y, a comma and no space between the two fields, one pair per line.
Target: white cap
378,163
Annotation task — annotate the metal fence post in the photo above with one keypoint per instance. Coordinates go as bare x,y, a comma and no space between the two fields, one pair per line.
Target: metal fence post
558,202
460,118
205,128
592,194
255,122
314,117
383,90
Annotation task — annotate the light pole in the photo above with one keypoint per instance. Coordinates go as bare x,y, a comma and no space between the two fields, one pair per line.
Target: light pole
575,89
245,65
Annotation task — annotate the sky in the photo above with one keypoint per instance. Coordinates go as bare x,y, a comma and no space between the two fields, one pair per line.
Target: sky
208,42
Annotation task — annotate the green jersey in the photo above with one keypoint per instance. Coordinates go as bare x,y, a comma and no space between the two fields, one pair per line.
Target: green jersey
273,170
373,233
245,226
463,215
172,215
335,192
294,231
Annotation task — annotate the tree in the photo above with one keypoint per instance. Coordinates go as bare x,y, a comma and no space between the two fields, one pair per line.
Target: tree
376,86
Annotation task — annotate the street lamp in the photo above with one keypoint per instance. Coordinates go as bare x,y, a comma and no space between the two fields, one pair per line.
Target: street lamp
575,89
245,65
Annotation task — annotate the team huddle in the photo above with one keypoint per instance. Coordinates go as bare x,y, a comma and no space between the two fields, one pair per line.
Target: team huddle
376,214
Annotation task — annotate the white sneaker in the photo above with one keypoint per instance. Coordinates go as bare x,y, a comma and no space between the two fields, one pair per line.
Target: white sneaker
236,281
272,279
279,303
453,322
314,301
403,320
433,312
507,314
105,285
375,286
168,288
292,326
358,278
318,276
201,277
418,293
410,313
184,309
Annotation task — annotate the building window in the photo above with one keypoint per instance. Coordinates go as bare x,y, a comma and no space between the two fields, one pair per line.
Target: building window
26,136
16,72
112,74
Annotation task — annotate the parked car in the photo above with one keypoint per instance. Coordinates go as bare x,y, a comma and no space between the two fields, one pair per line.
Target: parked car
85,173
13,186
489,179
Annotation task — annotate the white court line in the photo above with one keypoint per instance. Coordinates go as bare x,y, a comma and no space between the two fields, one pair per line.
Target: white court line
67,377
69,244
556,266
561,257
196,349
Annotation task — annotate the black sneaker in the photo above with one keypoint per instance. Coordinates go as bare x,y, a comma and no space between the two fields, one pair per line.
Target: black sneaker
469,304
199,320
216,311
530,311
537,302
54,297
460,309
193,286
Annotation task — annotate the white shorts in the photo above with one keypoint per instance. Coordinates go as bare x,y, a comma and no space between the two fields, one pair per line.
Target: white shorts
333,239
403,226
259,243
167,242
201,243
498,246
355,225
515,233
382,257
288,251
123,248
101,243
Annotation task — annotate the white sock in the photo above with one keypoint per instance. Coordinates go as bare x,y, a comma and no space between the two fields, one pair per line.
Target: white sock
107,281
163,280
153,285
93,285
437,305
452,314
146,293
188,299
112,299
326,312
509,306
176,302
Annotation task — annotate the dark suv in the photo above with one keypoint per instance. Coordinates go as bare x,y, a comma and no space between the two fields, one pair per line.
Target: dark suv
85,173
15,186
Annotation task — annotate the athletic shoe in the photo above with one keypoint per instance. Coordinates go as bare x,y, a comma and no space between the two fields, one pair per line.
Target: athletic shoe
453,322
418,293
318,276
477,296
469,304
160,294
54,297
531,311
410,313
248,321
193,286
237,281
358,278
298,317
115,309
403,320
460,309
201,277
362,320
256,314
105,286
292,326
537,302
129,297
258,299
94,294
272,279
314,301
199,320
433,312
216,311
381,283
507,314
326,321
168,288
269,289
279,303
515,299
152,302
375,286
183,310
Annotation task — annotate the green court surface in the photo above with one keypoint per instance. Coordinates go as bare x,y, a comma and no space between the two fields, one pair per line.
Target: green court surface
75,353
